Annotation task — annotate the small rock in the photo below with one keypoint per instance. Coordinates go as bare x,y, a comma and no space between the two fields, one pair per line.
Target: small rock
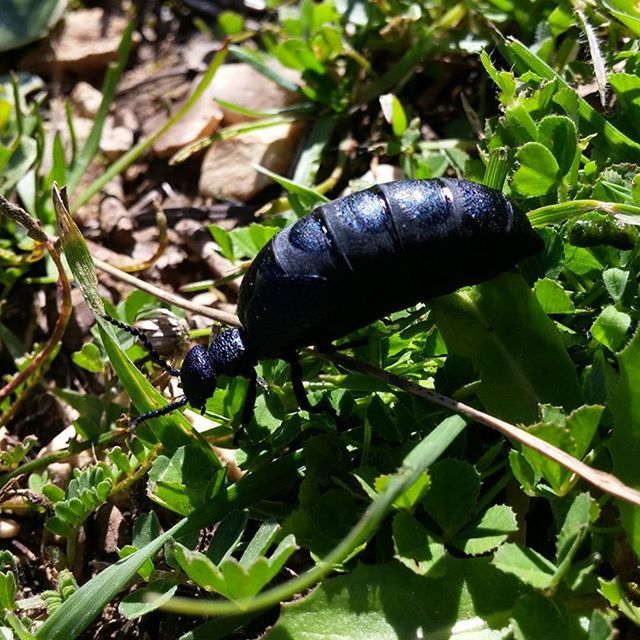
87,42
115,142
240,84
86,99
201,243
201,121
8,528
115,222
111,527
227,173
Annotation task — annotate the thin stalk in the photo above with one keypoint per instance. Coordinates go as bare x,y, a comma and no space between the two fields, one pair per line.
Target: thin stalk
32,374
171,298
600,479
556,213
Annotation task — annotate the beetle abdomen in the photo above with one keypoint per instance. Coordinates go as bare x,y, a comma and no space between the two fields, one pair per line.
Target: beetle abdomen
368,254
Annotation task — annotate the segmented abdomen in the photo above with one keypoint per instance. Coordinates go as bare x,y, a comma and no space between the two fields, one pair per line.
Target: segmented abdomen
368,254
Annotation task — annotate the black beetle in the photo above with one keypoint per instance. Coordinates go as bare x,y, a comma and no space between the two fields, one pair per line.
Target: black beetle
350,262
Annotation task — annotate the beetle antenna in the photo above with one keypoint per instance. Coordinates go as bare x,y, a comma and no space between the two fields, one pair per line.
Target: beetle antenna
156,413
146,343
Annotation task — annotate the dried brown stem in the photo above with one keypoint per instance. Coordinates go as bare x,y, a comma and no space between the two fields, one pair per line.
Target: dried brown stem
33,373
600,479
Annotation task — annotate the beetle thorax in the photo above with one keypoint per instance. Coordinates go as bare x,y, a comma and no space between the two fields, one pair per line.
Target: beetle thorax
231,355
228,355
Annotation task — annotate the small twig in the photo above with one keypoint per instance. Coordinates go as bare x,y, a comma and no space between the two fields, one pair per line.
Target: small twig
171,298
600,479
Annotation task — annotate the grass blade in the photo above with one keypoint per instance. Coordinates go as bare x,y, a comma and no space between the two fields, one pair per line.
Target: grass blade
76,613
82,160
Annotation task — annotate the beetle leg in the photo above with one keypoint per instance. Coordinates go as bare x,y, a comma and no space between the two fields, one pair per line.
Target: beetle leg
298,386
324,406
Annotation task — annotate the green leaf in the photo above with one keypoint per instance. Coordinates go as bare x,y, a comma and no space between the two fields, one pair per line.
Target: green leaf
183,482
627,12
538,172
572,434
614,592
146,529
610,327
227,536
231,578
524,563
574,527
21,157
626,87
535,616
147,599
615,281
88,358
75,614
520,123
624,443
393,113
263,63
389,601
560,20
559,135
230,22
452,494
489,531
311,154
24,21
522,360
223,239
524,472
552,297
8,589
410,496
260,543
247,241
415,548
308,197
504,79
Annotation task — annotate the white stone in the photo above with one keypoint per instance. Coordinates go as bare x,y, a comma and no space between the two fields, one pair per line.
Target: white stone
87,42
86,99
115,141
241,85
201,121
227,171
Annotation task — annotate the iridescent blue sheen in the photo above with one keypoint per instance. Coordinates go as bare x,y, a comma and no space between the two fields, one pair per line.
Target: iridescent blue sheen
307,234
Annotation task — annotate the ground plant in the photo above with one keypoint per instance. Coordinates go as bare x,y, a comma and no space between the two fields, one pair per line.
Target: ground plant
477,475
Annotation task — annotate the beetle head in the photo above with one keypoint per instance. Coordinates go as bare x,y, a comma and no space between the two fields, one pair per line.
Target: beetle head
198,376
